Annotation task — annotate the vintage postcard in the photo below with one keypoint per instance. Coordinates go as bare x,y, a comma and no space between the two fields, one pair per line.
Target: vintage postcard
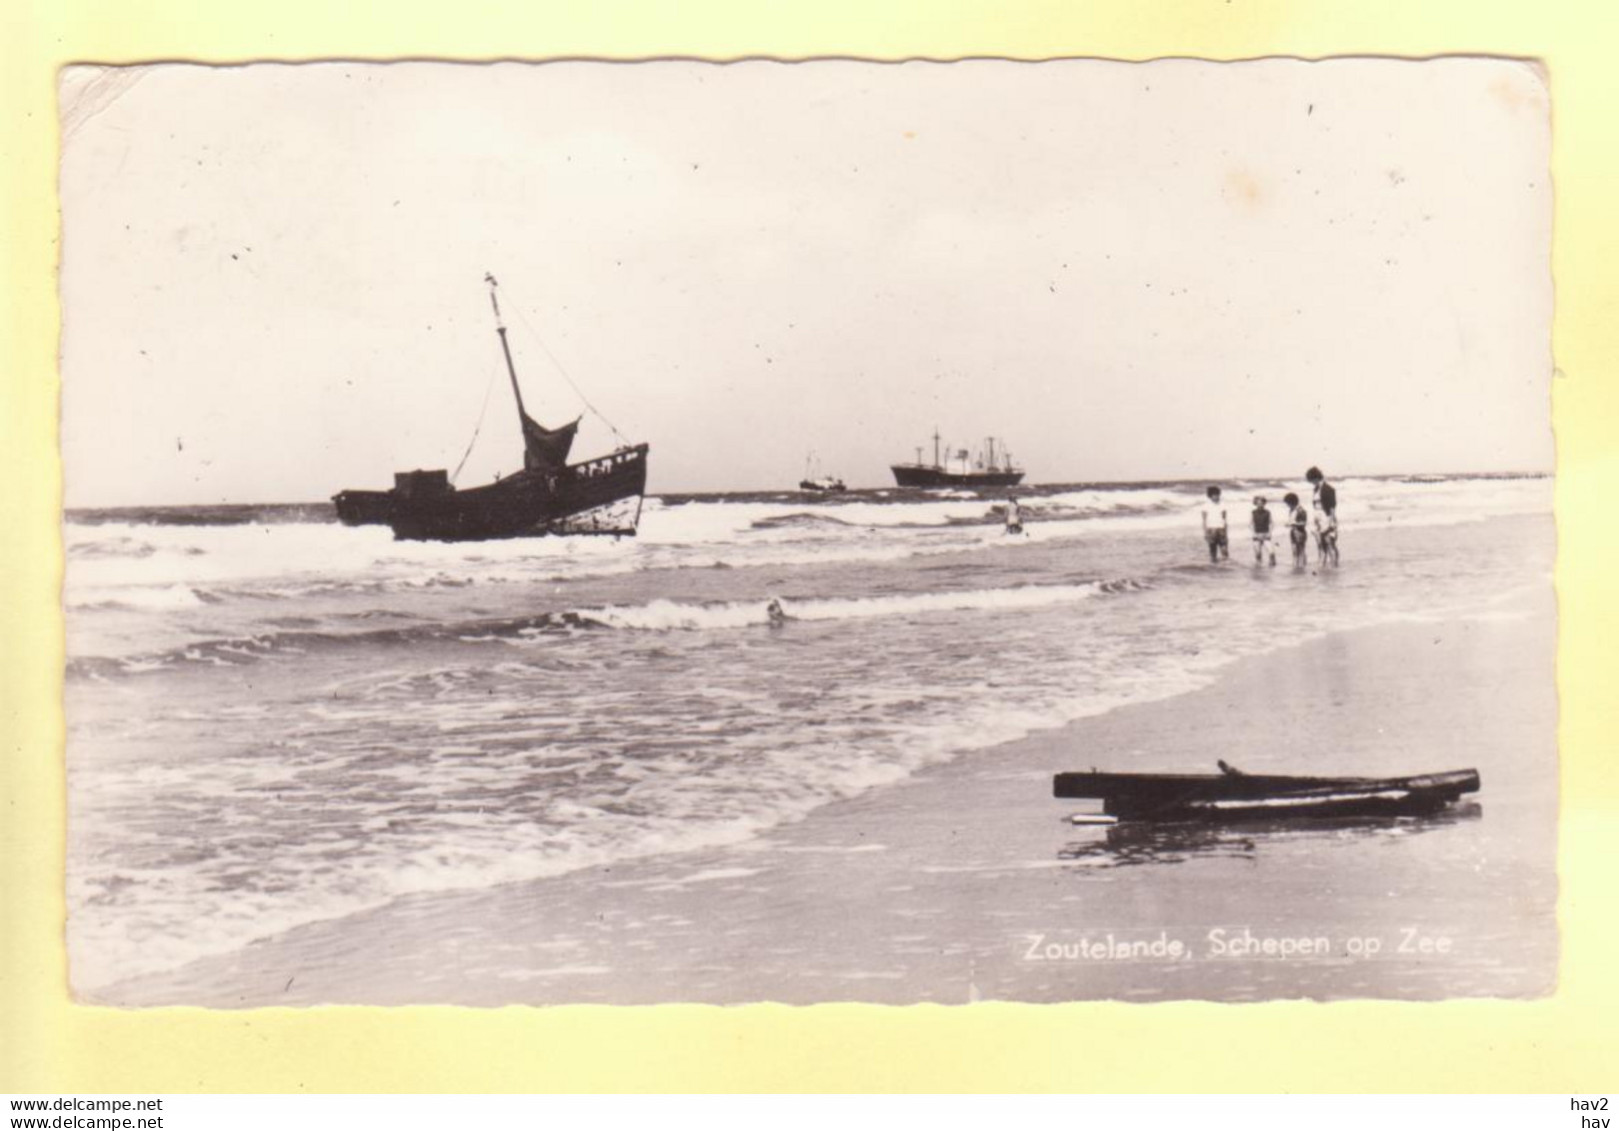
830,531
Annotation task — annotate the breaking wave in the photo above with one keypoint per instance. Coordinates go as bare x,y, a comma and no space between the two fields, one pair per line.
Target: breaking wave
652,616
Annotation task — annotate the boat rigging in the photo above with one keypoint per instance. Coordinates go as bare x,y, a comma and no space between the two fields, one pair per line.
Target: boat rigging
548,496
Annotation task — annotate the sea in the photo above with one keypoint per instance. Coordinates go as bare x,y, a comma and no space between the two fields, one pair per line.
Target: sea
276,720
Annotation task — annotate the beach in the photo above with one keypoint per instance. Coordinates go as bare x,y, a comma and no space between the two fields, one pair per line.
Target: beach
963,882
309,763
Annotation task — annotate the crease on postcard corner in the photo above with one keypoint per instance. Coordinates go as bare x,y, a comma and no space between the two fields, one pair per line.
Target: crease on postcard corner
84,90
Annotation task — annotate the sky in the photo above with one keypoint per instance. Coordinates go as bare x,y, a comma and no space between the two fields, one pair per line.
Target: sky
272,275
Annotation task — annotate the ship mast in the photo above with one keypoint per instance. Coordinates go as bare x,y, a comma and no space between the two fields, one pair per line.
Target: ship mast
936,446
500,328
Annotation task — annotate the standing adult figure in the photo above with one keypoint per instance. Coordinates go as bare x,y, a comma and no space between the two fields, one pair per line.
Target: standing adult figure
1214,526
1325,493
1326,497
1014,516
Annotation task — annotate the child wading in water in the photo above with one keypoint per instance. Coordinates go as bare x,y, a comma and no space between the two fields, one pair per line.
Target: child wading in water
1214,526
1262,542
1326,535
1298,532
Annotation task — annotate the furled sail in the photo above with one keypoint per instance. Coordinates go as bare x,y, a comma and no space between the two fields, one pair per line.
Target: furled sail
546,449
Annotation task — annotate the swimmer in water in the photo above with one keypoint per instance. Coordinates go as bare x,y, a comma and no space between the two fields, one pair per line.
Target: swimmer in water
774,613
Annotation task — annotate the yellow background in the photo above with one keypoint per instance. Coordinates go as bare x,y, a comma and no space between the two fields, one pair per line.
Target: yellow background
1560,1044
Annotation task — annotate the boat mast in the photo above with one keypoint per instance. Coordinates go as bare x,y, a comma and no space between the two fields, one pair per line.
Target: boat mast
936,446
500,328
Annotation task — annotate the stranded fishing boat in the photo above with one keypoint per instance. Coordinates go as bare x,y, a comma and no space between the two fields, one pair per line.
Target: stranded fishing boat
1232,795
549,496
989,469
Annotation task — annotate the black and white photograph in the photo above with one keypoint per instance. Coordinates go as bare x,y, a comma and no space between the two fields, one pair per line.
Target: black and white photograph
577,531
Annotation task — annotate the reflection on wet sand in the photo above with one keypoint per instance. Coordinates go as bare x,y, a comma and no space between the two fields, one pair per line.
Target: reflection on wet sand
1174,843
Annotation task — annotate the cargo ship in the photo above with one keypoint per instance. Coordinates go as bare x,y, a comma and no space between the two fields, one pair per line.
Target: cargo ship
957,467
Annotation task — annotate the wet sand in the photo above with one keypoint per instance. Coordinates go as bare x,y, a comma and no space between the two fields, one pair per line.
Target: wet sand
965,882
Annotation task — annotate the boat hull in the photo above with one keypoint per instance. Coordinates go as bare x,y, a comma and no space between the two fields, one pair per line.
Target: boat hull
1248,797
364,508
927,475
527,504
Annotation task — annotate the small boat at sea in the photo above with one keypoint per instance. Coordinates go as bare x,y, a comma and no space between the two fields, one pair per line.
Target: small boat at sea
817,482
1232,795
958,468
548,496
